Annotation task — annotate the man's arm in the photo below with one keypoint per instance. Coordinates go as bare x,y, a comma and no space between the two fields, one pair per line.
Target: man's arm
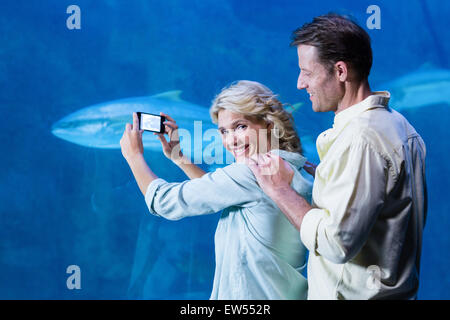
352,193
274,177
291,204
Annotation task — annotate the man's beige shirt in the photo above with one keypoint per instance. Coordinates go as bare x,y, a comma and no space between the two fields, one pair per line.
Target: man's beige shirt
369,197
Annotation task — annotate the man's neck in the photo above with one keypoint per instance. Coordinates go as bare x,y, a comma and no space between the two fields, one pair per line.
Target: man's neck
354,93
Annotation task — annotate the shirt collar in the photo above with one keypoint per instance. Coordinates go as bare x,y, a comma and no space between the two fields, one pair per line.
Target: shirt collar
378,99
296,159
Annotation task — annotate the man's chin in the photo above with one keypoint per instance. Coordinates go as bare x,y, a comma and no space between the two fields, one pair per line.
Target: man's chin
317,108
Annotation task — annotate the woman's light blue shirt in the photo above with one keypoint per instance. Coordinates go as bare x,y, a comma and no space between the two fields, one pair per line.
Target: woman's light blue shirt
259,254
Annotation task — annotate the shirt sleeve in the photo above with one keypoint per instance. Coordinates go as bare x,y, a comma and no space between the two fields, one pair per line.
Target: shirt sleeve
352,194
234,185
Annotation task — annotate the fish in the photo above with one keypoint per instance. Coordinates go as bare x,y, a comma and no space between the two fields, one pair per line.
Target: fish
102,125
424,87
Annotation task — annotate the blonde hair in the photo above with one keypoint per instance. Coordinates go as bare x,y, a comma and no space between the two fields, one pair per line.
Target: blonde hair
254,100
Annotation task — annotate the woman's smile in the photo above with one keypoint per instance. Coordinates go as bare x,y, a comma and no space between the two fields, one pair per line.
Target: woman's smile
241,150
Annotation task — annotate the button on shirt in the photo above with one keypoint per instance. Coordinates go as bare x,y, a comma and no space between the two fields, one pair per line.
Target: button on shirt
259,254
369,197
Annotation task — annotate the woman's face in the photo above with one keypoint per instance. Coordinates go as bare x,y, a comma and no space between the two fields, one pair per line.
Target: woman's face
241,136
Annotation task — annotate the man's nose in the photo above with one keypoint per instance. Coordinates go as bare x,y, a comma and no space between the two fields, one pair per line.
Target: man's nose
300,83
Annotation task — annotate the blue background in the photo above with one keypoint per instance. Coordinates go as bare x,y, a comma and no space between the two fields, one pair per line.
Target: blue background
62,204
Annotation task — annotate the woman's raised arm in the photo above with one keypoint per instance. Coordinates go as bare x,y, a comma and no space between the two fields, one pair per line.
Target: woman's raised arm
172,149
133,151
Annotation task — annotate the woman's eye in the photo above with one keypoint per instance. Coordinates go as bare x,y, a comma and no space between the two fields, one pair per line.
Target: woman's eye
241,127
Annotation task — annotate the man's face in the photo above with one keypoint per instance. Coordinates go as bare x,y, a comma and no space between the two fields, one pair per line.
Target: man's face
324,88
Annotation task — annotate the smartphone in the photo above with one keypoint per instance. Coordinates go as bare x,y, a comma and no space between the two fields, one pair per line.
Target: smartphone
151,122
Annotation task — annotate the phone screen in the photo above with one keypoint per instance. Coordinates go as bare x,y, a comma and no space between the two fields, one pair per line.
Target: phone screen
150,122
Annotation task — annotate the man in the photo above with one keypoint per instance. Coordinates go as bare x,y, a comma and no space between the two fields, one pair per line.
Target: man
364,228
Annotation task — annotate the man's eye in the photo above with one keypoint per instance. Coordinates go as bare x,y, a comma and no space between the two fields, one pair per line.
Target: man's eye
305,73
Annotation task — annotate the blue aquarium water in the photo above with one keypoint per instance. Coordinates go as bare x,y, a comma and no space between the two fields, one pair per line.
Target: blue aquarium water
68,197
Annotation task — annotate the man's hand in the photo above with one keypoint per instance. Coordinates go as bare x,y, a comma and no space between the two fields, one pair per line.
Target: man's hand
272,173
274,176
131,142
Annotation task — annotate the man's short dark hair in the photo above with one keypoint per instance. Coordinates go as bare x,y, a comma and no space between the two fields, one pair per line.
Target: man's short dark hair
337,38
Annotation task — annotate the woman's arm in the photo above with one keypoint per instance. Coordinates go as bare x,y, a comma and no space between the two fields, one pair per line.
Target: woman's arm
191,170
215,191
133,151
234,185
142,172
172,149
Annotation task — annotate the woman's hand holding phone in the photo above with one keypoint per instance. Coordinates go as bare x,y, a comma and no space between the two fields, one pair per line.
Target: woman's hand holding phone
171,148
131,141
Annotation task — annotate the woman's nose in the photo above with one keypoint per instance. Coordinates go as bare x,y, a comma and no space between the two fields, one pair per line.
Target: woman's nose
231,139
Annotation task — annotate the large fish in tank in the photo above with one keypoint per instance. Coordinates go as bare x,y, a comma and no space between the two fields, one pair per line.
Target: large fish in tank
423,87
102,125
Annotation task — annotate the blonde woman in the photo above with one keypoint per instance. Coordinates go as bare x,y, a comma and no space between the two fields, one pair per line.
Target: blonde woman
259,254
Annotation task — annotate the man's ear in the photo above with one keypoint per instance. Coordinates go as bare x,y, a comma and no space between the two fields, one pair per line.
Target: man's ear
341,69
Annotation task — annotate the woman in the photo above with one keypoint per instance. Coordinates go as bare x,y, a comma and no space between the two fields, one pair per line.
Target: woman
258,252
